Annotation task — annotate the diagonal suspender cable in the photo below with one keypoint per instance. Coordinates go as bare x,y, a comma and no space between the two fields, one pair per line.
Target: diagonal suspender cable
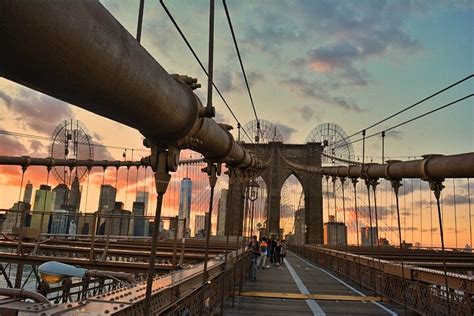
200,64
242,66
410,106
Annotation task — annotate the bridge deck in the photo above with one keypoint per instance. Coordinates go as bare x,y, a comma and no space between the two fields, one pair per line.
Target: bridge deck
298,276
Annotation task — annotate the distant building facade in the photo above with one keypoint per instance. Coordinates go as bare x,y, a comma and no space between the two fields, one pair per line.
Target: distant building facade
369,236
13,217
106,198
221,210
143,196
28,193
138,220
59,222
43,205
61,196
300,227
185,203
199,223
335,233
75,195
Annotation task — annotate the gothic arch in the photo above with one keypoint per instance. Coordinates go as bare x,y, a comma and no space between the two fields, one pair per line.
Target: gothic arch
277,156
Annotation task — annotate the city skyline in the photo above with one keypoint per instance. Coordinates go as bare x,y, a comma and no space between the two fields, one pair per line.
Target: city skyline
338,74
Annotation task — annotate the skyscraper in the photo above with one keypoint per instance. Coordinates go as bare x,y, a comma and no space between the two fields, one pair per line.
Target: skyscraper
59,222
106,205
62,196
138,220
221,213
75,196
199,223
335,233
28,193
143,196
369,235
44,202
106,198
185,201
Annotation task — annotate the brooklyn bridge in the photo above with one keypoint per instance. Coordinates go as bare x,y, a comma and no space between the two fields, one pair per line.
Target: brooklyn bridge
205,215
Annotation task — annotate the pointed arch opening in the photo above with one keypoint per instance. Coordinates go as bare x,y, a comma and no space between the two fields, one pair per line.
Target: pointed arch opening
292,219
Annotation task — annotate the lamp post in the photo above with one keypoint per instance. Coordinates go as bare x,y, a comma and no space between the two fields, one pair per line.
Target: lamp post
253,197
54,272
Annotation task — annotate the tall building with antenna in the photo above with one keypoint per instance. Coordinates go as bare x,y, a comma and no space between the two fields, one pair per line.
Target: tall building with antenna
28,193
185,202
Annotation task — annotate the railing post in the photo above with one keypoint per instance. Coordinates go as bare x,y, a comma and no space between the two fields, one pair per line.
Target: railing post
175,240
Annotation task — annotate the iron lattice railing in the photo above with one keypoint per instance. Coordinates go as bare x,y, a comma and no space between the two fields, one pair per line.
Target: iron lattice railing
426,298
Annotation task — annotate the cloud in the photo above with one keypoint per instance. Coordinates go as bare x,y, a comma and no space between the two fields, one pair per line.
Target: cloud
449,199
308,113
355,33
268,36
12,147
394,134
318,91
232,81
285,130
38,113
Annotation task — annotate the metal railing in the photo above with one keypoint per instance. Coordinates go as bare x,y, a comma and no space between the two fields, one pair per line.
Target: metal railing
420,290
178,293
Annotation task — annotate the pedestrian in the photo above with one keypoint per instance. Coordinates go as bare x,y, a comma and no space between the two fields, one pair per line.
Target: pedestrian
283,251
276,254
263,253
269,252
254,249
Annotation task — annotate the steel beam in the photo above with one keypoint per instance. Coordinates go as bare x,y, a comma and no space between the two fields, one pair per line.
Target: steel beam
431,167
79,53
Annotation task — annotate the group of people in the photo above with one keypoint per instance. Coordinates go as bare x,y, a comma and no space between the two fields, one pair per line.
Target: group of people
266,252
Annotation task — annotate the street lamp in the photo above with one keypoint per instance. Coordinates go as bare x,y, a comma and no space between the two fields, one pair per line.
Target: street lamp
54,272
253,185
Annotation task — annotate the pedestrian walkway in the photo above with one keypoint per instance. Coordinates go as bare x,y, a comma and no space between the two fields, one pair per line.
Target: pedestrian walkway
300,288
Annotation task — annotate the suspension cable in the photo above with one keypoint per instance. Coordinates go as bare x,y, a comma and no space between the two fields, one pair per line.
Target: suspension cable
201,64
229,20
411,120
409,107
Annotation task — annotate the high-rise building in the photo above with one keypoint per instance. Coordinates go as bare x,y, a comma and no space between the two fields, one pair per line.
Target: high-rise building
28,193
221,213
119,220
75,195
86,223
300,227
335,233
106,198
62,196
59,222
44,202
199,224
13,217
138,212
143,196
369,236
185,201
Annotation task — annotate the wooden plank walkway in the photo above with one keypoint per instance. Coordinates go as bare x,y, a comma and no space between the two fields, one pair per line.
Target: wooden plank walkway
299,278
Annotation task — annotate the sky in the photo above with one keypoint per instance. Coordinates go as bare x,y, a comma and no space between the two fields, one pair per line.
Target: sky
351,63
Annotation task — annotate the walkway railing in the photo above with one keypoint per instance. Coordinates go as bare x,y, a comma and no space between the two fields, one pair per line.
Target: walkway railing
421,290
178,293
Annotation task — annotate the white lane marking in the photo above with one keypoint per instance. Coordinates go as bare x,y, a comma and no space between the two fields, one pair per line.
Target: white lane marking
389,311
315,308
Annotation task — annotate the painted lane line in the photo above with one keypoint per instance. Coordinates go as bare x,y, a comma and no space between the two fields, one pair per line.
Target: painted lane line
315,308
389,311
